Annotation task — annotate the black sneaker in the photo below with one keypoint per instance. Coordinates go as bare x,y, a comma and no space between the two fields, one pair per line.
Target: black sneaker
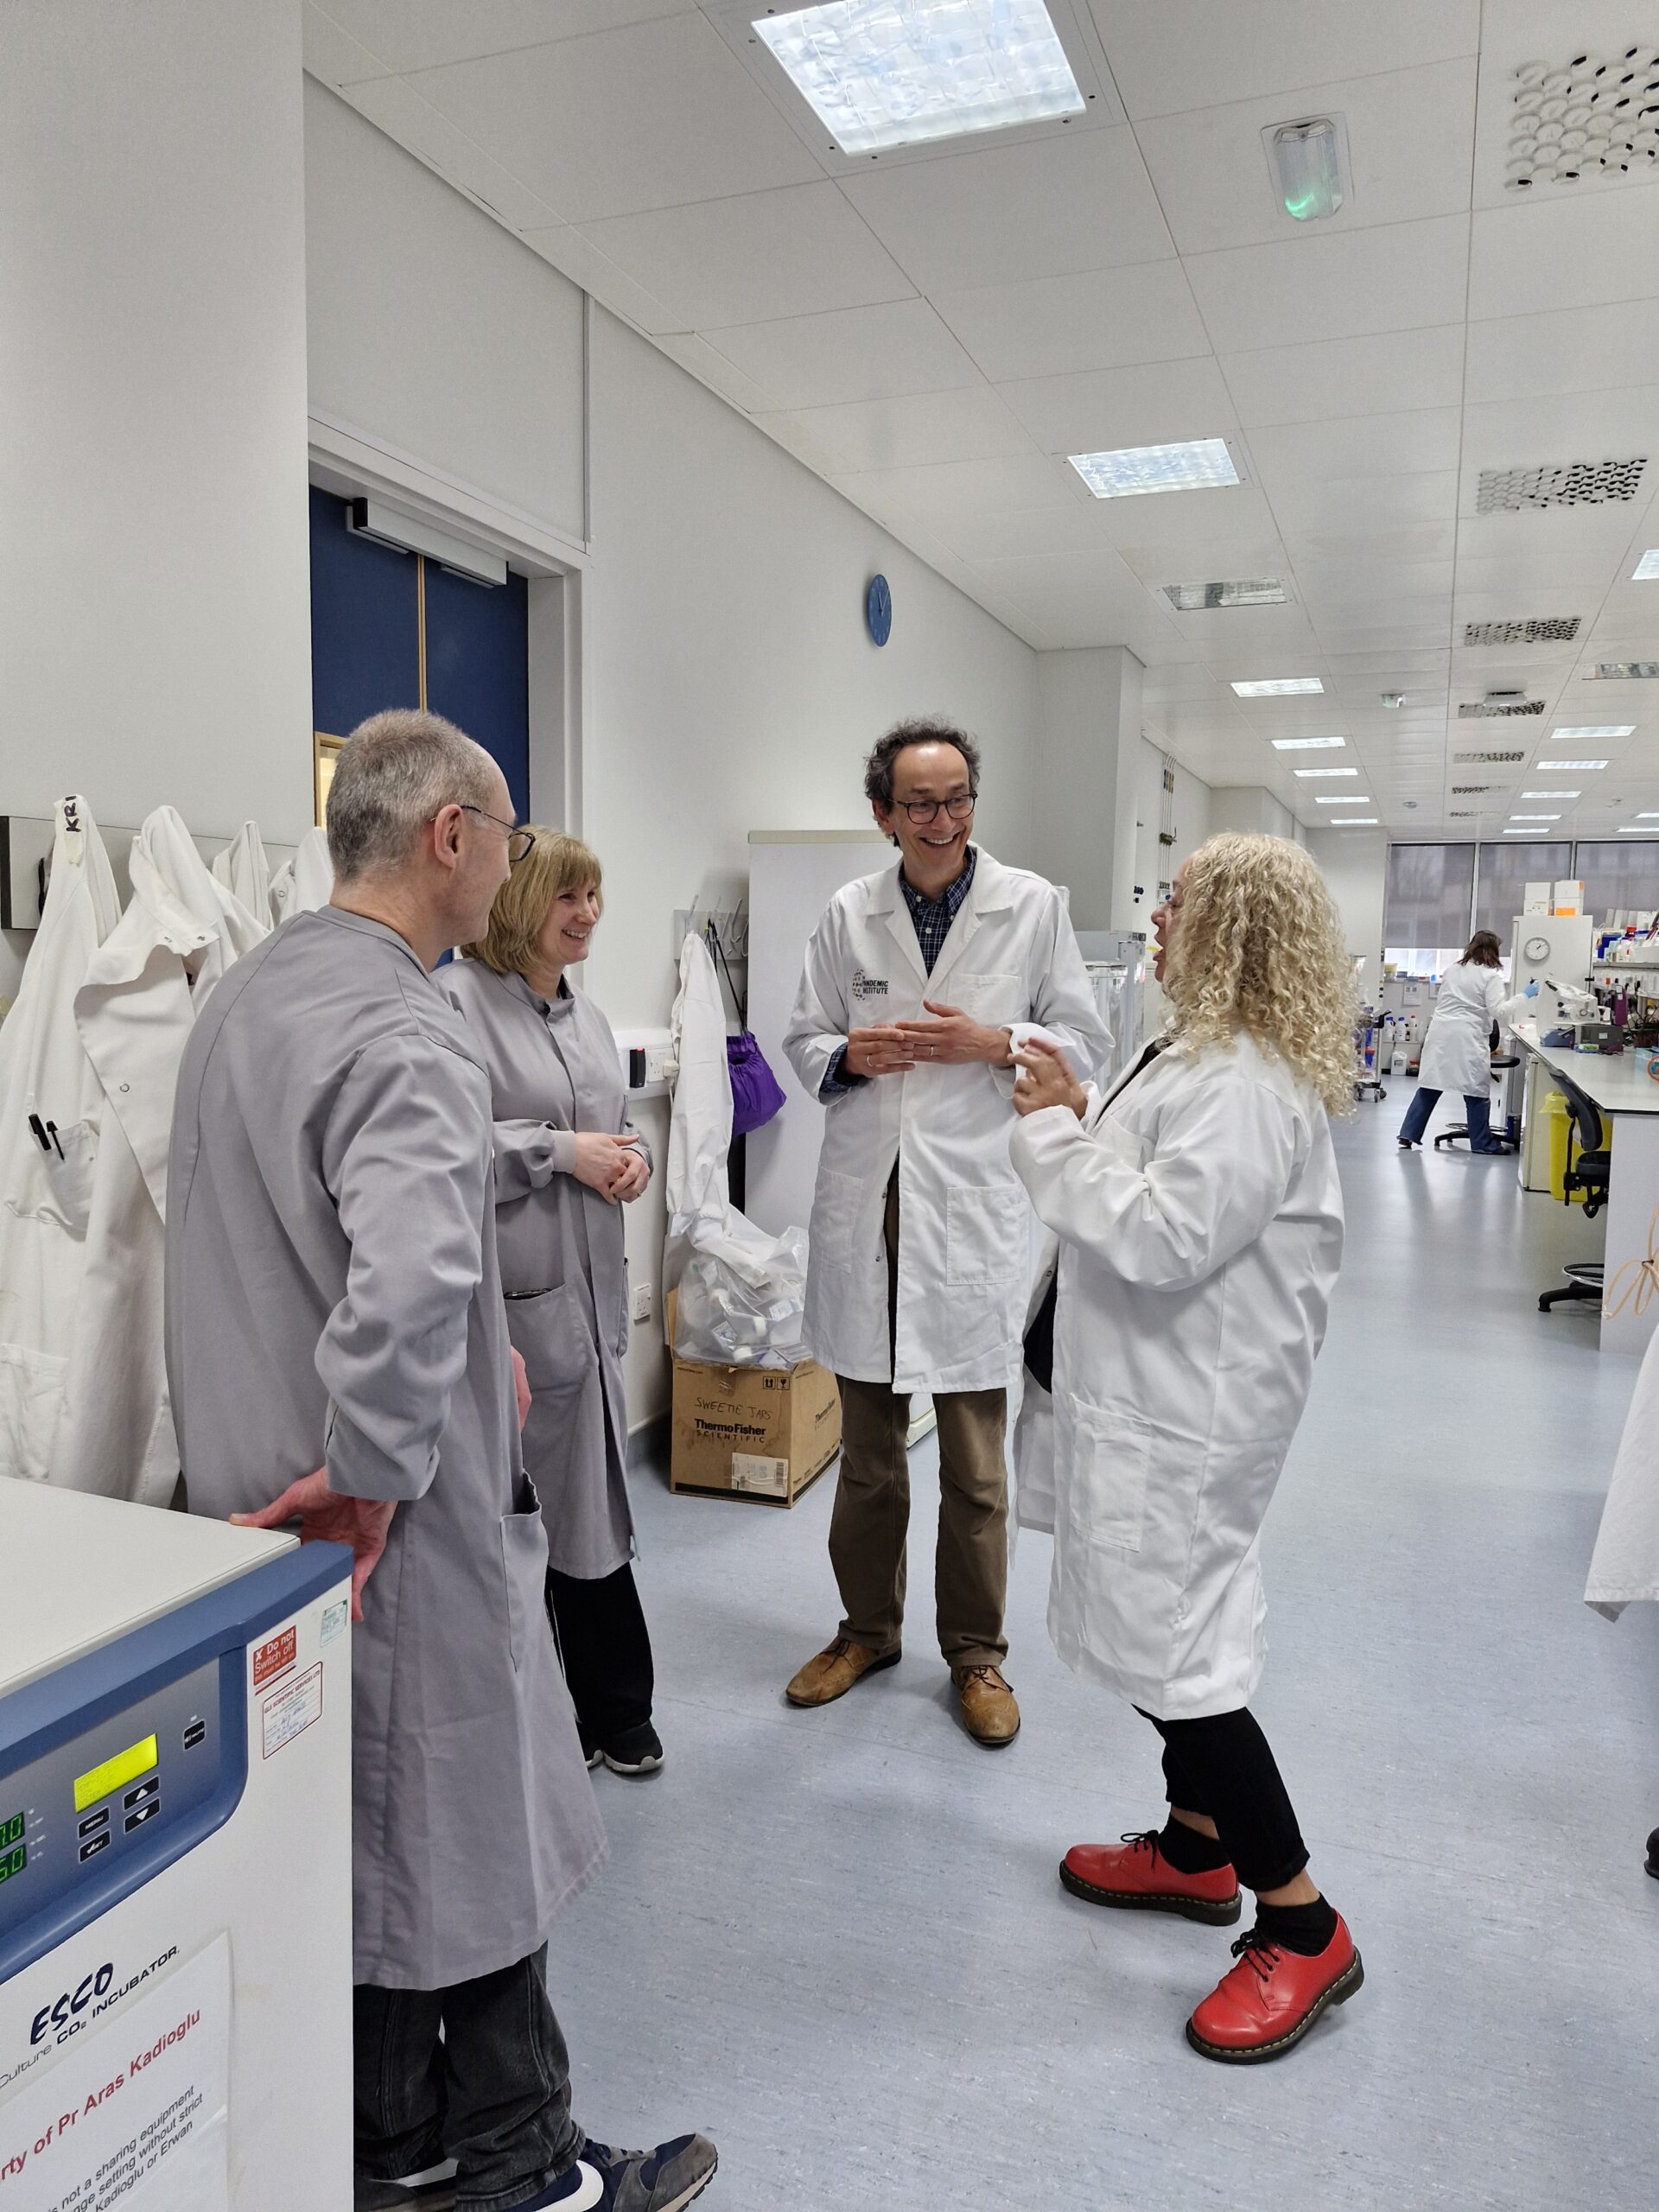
603,2180
1653,1854
432,2190
635,1750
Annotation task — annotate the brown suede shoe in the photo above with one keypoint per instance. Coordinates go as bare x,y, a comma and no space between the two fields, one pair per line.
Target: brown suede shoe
833,1670
988,1712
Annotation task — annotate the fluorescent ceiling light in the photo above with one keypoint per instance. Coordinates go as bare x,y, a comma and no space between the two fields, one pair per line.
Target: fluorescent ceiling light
1194,466
1648,818
1535,818
899,72
1307,744
1634,829
1192,599
1622,671
1306,772
1554,767
1552,794
1278,687
1359,822
1646,570
1342,798
1526,833
1309,166
1595,729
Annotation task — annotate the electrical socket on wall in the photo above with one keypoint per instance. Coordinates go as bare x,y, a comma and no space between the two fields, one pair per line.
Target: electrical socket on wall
642,1303
657,1060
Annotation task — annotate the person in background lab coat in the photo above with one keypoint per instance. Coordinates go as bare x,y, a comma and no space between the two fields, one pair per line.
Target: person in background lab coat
916,981
567,1159
333,1295
1200,1224
1457,1050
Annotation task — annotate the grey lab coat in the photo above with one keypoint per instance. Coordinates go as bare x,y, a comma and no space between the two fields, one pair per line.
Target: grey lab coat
554,1072
333,1297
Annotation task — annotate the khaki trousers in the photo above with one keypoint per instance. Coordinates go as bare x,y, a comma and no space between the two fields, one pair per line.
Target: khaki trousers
870,1524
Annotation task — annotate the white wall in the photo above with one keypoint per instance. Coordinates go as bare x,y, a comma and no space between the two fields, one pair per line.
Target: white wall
154,619
1252,807
1154,865
1088,779
1355,865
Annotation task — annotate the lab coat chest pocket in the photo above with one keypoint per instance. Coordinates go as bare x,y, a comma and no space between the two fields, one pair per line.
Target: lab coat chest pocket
1112,1453
59,1185
987,1235
523,1566
991,999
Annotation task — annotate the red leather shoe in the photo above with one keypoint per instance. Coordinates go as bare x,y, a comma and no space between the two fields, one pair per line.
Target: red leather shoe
1135,1876
1270,2000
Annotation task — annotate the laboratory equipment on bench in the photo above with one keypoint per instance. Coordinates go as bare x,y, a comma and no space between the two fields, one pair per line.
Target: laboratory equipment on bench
1373,1053
176,1906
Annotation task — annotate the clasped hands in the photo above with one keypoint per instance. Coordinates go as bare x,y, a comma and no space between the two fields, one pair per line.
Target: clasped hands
951,1039
612,1166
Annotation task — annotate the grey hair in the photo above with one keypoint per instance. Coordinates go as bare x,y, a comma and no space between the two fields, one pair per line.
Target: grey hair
394,773
878,766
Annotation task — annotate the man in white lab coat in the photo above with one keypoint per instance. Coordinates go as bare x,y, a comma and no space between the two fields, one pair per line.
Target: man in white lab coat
918,982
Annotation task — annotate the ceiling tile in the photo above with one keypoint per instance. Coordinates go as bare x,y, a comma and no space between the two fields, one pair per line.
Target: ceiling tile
1408,136
912,431
653,115
1060,325
1158,404
1348,547
947,493
1211,523
332,55
822,360
1350,504
1360,445
422,34
714,369
1578,349
1186,54
1537,256
395,107
1345,286
1336,377
998,215
768,255
584,265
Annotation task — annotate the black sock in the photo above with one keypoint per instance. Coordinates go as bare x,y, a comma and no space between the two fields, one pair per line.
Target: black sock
1302,1928
1189,1851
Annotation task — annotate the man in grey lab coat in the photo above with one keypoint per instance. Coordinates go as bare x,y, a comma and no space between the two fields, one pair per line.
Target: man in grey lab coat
333,1295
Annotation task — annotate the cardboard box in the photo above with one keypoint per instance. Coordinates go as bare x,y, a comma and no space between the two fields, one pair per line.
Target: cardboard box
1568,897
752,1431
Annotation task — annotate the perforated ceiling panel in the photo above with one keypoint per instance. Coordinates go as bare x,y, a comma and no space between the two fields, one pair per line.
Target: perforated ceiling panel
1573,484
1473,790
1477,710
1486,759
1592,116
1542,630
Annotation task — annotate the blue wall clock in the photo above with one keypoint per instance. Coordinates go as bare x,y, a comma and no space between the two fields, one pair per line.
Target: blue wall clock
878,610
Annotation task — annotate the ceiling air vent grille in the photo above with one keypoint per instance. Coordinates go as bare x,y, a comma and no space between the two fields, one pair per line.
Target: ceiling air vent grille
1591,115
1486,759
1573,484
1462,814
1545,629
1473,791
1480,710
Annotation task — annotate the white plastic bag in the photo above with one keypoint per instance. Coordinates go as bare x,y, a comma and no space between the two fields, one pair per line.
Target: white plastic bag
742,1298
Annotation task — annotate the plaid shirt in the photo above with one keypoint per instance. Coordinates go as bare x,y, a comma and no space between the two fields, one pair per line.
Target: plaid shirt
932,919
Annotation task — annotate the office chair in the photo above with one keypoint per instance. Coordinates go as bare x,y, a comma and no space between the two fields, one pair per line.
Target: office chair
1589,1173
1506,1139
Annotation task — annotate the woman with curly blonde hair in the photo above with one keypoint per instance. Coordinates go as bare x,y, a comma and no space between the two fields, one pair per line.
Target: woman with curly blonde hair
1199,1220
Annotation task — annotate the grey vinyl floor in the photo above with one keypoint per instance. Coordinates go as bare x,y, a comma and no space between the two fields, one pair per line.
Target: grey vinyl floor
836,1942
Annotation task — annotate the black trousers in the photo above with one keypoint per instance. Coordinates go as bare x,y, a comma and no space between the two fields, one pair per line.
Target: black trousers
1222,1767
492,2091
605,1648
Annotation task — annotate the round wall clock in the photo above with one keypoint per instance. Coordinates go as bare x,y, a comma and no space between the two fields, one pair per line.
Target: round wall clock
878,610
1536,948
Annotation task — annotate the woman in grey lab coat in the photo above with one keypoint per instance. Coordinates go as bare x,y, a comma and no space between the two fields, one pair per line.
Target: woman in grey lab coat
567,1158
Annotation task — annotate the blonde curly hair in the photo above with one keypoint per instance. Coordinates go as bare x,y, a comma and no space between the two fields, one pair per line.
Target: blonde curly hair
1259,949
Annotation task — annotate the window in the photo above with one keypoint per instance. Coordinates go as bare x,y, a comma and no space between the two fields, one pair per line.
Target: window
1506,868
1430,895
1621,876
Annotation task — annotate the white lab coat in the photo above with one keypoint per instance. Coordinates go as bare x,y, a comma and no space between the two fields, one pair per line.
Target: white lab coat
50,1222
243,870
1200,1220
1457,1050
964,1236
137,1001
305,883
1624,1569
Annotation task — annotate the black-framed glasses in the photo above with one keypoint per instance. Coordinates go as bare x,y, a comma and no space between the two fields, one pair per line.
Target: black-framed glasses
519,841
924,810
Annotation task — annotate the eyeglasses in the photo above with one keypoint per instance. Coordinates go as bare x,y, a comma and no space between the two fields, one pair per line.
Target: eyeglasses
924,810
519,841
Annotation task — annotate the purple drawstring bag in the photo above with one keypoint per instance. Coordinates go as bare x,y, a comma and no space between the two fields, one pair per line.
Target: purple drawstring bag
756,1092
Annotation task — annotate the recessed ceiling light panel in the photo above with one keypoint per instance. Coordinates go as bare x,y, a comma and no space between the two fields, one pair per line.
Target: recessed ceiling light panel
1305,744
1348,798
901,72
1569,767
1646,570
1595,729
1535,818
1197,466
1622,671
1635,829
1526,833
1360,822
1192,599
1307,773
1552,794
1278,687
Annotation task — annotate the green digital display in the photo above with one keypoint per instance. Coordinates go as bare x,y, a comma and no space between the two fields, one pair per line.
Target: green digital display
13,1862
11,1831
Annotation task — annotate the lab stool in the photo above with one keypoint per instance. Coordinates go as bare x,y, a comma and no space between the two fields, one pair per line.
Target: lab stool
1506,1139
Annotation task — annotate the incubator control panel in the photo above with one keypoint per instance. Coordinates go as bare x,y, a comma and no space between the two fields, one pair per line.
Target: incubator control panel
72,1816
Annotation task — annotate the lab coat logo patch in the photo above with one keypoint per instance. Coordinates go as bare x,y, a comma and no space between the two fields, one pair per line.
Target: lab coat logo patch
869,987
